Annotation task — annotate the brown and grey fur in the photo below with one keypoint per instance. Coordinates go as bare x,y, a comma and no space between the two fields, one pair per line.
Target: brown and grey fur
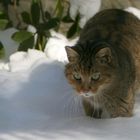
110,45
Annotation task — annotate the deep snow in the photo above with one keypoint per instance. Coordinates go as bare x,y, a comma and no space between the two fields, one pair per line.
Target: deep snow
37,103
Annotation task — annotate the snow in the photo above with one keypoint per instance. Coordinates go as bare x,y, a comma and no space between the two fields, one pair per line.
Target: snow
24,60
37,103
134,11
86,9
55,48
10,46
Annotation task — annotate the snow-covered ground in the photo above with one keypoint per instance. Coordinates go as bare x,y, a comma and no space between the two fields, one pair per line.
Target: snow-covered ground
37,103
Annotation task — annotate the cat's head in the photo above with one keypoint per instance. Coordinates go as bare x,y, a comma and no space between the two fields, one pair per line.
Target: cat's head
90,71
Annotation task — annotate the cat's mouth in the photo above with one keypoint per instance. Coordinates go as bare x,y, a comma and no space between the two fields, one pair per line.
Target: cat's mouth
86,94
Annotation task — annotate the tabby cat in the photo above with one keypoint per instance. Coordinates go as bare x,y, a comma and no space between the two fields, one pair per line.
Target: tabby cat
104,65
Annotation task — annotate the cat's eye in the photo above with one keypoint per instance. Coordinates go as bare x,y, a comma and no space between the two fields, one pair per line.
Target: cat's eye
95,76
77,76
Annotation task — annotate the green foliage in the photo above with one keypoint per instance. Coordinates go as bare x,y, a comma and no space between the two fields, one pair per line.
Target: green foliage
26,17
4,20
3,24
43,21
74,28
26,44
7,2
47,15
25,38
21,36
59,8
35,12
2,51
52,23
2,15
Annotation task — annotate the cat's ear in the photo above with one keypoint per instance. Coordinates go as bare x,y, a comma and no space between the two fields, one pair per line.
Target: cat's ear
71,54
104,55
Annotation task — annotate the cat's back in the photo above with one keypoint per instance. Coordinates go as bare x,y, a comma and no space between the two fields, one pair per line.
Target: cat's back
109,22
118,28
116,16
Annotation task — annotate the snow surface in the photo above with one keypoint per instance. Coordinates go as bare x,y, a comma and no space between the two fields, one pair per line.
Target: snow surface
9,45
86,9
37,103
134,11
55,48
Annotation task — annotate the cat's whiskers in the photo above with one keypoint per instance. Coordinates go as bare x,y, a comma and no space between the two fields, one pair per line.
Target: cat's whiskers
78,103
75,108
73,104
70,106
67,106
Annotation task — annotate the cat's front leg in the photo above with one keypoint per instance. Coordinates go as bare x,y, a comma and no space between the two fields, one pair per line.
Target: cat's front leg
91,111
123,108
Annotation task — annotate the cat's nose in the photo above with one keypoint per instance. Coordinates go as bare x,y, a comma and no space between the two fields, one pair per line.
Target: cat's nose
85,91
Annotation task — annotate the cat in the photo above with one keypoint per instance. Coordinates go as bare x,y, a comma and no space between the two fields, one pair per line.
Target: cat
104,65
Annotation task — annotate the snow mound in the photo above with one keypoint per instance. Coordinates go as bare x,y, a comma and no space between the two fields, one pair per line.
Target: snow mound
86,8
20,61
10,45
134,11
40,104
55,48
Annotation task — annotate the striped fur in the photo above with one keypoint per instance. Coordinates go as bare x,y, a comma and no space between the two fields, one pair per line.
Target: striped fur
106,60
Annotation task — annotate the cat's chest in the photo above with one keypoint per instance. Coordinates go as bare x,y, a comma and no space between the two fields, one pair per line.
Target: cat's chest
98,107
